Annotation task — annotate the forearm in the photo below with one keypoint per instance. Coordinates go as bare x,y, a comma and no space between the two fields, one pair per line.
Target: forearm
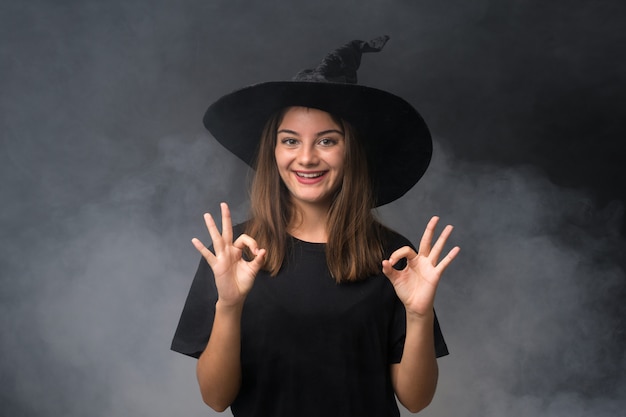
219,367
415,377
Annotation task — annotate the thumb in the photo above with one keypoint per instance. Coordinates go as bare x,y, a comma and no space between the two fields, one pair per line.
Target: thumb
258,261
390,272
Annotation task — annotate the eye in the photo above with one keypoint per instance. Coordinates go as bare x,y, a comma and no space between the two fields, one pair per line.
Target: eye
327,142
289,141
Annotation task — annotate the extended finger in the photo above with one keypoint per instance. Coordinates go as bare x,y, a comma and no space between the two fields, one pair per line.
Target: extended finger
435,253
216,237
427,237
227,223
206,253
448,259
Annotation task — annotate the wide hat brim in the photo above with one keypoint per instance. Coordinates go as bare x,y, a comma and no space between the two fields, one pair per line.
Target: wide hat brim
395,137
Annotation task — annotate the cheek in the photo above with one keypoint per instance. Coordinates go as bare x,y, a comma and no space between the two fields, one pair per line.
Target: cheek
282,165
278,159
339,161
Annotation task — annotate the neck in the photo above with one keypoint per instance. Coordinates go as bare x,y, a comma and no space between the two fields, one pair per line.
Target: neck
309,223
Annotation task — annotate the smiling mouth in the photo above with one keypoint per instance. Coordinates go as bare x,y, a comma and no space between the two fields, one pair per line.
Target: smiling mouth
310,174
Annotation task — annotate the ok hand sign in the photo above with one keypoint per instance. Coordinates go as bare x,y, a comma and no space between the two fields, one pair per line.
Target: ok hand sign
234,276
416,284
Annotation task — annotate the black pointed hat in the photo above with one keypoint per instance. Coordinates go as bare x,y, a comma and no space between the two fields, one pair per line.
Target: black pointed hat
395,137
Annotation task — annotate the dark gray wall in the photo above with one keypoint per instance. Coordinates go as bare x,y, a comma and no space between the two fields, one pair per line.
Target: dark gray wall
106,171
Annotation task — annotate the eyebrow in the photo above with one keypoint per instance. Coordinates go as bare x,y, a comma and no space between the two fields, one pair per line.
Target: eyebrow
322,133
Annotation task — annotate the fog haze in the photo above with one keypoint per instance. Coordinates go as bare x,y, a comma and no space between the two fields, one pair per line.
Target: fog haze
106,171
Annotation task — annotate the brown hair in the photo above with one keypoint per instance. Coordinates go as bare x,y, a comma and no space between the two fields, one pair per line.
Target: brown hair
354,249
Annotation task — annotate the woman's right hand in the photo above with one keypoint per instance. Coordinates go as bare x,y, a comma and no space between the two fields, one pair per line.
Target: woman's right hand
234,276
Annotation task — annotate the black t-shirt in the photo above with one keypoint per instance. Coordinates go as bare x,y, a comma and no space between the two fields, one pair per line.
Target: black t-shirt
309,346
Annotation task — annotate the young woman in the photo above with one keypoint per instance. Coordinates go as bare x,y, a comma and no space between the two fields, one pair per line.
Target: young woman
312,307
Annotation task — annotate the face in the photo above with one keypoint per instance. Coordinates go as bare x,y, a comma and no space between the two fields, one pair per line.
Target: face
310,153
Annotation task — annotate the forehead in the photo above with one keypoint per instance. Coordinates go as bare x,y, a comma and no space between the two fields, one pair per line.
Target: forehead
307,117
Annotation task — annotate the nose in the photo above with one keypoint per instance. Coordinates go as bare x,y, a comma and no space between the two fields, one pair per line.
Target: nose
308,156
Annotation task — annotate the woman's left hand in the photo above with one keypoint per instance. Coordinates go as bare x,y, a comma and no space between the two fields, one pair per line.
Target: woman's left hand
416,284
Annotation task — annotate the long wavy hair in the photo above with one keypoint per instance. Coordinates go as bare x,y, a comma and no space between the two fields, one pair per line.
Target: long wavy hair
354,249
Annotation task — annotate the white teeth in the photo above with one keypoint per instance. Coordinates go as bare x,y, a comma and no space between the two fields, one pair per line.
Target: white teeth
311,175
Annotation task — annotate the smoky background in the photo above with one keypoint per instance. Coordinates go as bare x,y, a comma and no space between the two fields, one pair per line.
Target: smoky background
106,171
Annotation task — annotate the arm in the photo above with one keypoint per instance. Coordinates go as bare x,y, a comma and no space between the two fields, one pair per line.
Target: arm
219,367
415,378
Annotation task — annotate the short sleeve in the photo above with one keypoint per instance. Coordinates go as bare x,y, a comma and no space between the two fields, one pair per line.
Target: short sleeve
196,320
441,349
398,333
